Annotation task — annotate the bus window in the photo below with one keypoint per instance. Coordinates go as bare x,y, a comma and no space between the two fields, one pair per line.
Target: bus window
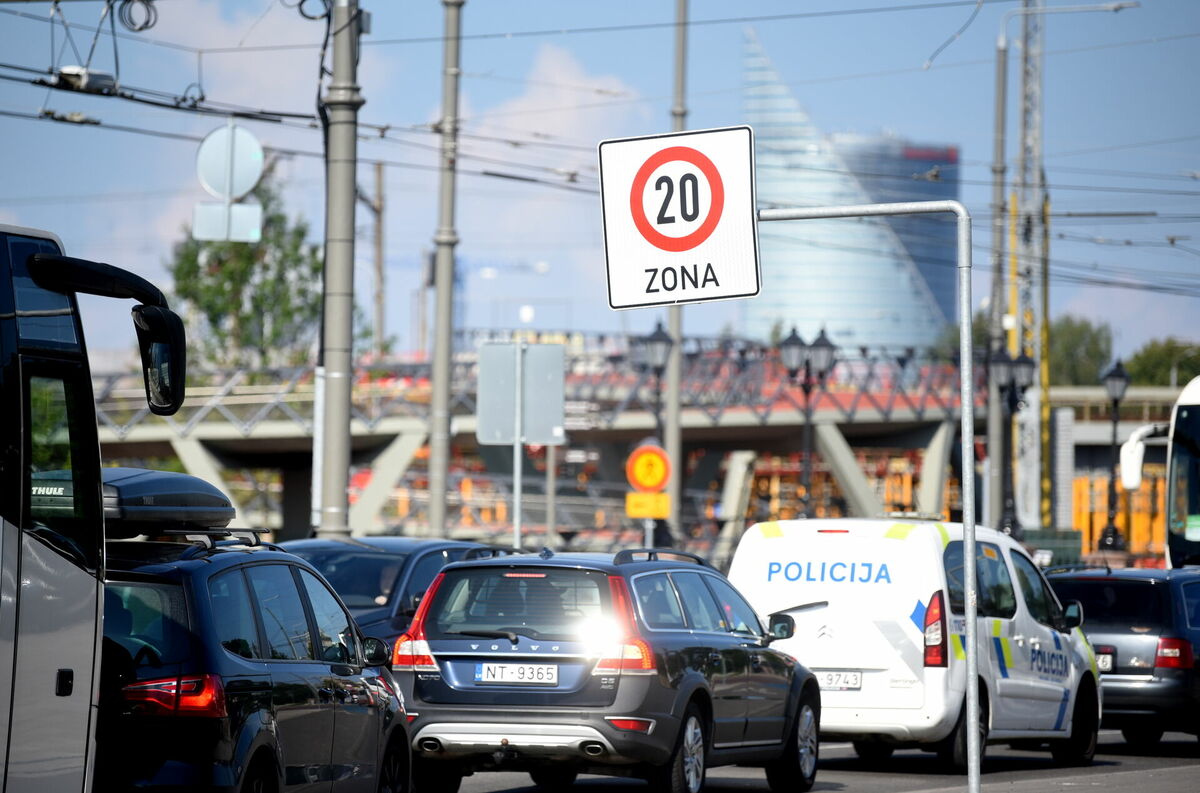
43,317
63,476
1183,502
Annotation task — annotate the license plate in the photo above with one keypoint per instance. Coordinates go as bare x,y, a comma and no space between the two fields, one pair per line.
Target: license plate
839,679
517,674
1104,662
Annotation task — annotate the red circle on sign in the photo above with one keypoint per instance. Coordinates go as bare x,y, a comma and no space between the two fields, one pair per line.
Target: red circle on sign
652,235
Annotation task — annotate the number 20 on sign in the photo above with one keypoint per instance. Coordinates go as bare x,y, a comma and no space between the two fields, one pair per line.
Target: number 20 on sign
679,217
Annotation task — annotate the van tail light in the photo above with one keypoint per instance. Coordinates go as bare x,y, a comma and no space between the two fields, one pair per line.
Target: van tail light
190,695
936,640
632,654
1174,654
411,652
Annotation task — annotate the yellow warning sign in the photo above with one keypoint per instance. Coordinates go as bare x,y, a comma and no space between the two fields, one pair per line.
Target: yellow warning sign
647,505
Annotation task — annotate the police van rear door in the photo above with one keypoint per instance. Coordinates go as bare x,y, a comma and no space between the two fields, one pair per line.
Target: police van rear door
858,591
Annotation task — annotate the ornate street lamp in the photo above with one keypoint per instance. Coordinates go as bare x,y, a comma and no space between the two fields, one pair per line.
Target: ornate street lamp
652,352
1115,383
1012,377
816,360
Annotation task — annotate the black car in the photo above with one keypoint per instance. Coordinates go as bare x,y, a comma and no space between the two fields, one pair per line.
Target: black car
645,664
230,665
1144,626
381,579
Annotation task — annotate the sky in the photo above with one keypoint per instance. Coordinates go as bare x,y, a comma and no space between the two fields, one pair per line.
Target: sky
1121,135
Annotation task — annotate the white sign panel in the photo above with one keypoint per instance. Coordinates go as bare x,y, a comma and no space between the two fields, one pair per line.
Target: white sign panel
680,222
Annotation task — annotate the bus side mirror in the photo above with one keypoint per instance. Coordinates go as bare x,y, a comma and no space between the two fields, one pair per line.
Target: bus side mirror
1132,453
163,346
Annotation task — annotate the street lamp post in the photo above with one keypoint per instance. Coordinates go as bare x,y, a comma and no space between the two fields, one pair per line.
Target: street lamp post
1115,383
1012,377
816,360
655,351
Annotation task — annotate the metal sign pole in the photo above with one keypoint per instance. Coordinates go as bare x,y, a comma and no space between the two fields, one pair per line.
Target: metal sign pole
518,442
967,397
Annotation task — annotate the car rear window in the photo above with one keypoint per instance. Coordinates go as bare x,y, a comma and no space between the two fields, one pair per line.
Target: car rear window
1131,604
543,602
362,579
993,584
148,620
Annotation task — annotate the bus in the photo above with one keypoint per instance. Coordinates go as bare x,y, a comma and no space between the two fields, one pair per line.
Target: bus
1183,473
51,502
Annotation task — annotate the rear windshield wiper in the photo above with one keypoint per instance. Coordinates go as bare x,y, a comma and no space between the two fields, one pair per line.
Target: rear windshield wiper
510,635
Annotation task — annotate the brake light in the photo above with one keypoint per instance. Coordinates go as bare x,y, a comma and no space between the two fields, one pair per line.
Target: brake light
411,652
632,725
935,632
1174,654
632,655
191,695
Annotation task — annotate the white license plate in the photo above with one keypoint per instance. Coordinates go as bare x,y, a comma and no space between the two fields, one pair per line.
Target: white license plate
1104,662
839,679
517,674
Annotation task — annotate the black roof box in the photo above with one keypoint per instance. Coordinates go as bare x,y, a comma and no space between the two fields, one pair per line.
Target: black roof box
138,501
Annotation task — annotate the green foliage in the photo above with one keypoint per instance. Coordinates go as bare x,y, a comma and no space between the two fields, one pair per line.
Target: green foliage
1079,351
252,305
946,347
1152,364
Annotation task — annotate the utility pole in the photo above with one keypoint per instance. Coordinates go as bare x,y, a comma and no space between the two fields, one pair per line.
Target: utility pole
342,101
673,432
995,411
377,206
445,238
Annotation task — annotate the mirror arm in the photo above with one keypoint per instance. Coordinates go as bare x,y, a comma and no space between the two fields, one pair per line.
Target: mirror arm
64,273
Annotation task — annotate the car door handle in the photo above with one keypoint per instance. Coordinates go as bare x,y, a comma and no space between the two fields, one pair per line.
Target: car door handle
714,658
1019,640
325,694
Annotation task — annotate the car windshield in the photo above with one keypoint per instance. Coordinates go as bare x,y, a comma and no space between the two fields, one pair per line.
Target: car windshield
544,603
363,579
148,620
1121,604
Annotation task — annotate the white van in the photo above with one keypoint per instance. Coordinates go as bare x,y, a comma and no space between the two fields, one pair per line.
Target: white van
878,606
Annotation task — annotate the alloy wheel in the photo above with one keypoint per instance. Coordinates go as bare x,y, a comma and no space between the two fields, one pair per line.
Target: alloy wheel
806,740
693,755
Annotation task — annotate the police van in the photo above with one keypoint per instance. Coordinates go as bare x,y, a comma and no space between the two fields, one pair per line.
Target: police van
878,606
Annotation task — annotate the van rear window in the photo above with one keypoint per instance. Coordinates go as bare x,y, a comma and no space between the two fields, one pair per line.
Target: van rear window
541,602
993,584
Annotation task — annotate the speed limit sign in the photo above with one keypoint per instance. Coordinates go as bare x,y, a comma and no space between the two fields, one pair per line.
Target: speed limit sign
679,217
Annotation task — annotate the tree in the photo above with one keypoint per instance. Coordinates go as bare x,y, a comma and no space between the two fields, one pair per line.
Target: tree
1079,350
1154,362
253,305
946,347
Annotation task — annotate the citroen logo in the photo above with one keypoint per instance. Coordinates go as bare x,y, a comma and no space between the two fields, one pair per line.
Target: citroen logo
824,632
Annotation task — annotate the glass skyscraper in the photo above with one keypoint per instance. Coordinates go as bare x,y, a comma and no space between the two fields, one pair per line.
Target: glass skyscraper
869,282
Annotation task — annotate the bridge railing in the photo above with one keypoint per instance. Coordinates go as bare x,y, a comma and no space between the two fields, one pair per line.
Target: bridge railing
604,381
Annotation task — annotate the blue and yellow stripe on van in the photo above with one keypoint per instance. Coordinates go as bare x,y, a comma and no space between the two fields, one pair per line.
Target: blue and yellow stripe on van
959,645
1062,709
1003,649
1091,654
899,531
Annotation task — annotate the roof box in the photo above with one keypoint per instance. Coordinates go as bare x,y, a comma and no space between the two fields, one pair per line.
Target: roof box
138,501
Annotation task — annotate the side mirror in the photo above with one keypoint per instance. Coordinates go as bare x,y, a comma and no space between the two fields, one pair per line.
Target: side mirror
1132,453
163,346
1073,614
376,652
780,626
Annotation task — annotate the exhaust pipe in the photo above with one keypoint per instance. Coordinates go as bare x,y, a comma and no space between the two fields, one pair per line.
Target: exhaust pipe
430,745
593,748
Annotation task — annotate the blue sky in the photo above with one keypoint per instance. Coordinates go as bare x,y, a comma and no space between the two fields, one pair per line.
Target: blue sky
1116,85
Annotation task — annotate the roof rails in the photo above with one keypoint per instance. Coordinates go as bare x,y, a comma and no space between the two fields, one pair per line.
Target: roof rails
491,552
1071,568
655,554
207,538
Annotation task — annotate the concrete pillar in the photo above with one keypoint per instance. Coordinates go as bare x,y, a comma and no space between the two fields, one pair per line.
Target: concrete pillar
933,470
387,468
833,448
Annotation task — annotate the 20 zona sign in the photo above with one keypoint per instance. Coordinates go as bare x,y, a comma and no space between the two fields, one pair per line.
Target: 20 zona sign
679,216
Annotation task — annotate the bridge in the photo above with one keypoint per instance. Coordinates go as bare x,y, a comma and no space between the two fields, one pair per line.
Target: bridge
737,405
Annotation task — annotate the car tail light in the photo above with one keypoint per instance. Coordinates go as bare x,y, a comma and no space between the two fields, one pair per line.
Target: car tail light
632,725
411,652
1173,654
632,654
935,632
190,695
